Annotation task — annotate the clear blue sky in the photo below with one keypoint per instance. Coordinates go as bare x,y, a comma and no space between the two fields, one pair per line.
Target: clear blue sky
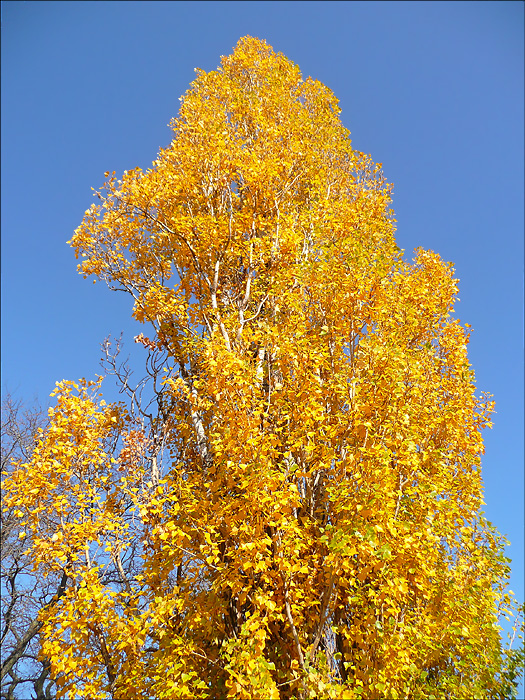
433,90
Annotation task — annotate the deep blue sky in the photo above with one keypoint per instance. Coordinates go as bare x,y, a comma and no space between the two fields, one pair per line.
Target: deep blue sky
433,90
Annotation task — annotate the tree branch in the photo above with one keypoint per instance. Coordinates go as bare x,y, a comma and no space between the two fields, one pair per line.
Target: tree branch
33,629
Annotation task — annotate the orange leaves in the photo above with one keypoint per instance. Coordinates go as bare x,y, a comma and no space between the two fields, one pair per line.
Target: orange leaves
67,504
315,419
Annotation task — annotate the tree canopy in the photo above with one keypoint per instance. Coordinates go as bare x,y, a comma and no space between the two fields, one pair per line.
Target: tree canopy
290,504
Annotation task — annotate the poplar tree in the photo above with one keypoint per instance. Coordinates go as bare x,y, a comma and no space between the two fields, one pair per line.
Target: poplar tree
295,511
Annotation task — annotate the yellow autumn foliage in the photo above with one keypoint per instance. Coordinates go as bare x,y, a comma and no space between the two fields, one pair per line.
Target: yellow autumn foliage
301,516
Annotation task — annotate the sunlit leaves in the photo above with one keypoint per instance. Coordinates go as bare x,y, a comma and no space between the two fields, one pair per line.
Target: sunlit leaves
301,516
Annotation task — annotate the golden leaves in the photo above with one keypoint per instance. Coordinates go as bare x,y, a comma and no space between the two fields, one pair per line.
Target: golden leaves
316,418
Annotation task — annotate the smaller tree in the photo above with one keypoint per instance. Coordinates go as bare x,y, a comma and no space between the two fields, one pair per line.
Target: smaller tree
25,592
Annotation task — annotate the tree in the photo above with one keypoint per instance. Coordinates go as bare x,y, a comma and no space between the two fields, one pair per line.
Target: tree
292,506
24,591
